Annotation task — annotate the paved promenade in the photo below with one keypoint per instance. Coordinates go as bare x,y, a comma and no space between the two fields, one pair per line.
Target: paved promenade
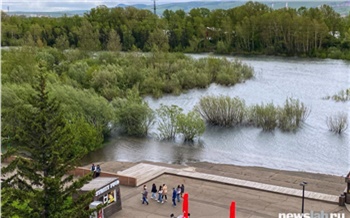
212,200
211,197
146,172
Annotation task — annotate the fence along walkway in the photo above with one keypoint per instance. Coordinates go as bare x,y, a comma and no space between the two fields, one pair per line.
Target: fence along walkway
147,172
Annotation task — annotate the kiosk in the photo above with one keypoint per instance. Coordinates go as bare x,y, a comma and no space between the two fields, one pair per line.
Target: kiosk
107,192
347,190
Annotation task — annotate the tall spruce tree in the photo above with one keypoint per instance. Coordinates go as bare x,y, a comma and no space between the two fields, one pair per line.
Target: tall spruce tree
37,182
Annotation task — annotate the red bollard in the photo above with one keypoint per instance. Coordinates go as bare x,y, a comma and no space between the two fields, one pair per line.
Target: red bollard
233,210
185,206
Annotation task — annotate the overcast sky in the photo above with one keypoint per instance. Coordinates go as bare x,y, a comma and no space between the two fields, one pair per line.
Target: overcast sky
64,5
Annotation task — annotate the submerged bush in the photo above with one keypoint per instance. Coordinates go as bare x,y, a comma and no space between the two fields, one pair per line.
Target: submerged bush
265,116
226,111
167,124
337,123
190,125
173,122
343,95
222,110
292,114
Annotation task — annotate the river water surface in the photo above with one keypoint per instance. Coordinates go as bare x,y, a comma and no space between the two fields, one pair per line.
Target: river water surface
311,148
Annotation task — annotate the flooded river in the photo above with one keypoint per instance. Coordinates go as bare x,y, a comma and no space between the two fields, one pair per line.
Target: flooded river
311,148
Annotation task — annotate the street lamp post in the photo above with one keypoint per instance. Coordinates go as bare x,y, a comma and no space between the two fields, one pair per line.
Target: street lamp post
302,203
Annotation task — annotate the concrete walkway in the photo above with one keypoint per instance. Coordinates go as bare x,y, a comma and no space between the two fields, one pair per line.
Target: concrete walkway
213,199
147,172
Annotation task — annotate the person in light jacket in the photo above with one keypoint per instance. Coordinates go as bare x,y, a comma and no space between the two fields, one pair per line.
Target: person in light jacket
165,191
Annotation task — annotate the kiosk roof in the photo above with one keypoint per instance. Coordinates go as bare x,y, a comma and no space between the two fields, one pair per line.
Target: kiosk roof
98,183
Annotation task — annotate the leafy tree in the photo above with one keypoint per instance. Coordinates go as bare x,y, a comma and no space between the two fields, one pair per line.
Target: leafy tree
85,103
113,43
133,114
37,179
168,125
19,65
104,81
88,37
78,71
158,38
62,42
128,38
14,102
28,40
190,125
87,137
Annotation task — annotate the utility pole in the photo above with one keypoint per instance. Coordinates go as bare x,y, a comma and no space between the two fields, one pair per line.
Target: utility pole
154,7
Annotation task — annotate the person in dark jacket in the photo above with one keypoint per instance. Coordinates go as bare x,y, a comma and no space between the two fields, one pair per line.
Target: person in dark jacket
154,191
182,190
174,197
93,170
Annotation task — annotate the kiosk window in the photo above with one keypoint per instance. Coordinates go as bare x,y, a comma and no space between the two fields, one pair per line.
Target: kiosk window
111,197
103,198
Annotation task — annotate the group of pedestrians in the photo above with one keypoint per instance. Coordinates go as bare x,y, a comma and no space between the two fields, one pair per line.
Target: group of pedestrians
162,191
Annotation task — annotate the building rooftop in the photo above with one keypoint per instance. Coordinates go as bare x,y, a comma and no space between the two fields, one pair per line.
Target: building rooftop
98,183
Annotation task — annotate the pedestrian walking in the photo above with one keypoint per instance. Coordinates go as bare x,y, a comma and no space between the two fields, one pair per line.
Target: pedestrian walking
182,190
165,192
160,194
154,191
178,193
144,187
144,196
174,197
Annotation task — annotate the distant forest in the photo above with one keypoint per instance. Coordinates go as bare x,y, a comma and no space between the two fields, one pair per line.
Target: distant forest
253,28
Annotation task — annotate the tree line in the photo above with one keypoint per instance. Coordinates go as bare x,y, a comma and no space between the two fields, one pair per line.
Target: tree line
251,28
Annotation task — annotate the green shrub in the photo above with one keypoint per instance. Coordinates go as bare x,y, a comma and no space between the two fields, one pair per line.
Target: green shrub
222,110
292,114
190,125
265,116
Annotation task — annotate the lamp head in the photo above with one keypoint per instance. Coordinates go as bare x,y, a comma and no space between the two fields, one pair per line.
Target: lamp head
303,183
